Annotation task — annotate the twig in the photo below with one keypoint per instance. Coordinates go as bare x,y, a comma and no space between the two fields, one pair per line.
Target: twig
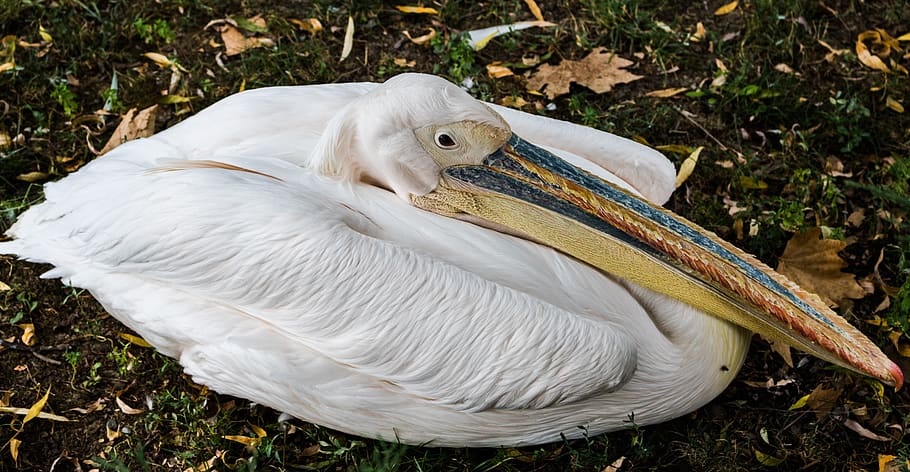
23,347
723,146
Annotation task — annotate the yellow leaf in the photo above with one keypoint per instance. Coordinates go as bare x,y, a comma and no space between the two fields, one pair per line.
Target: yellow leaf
904,37
159,59
23,411
402,62
681,149
259,431
747,182
894,105
727,9
4,287
865,56
14,448
310,25
877,386
688,165
32,177
7,66
45,36
136,340
699,33
535,10
421,40
36,408
348,39
174,99
417,10
800,403
496,71
666,93
513,102
252,442
767,460
28,334
814,264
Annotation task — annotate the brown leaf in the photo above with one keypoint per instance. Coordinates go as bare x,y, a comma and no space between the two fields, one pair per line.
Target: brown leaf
497,71
236,42
32,177
134,125
822,400
616,465
421,40
783,350
310,25
599,71
666,93
814,265
126,409
28,334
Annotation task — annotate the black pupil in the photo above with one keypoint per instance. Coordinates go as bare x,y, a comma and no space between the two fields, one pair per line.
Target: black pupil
445,140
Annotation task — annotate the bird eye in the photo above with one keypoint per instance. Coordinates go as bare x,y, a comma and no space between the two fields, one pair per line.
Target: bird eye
444,140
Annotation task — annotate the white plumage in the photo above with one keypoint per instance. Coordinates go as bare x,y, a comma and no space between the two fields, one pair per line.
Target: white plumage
291,282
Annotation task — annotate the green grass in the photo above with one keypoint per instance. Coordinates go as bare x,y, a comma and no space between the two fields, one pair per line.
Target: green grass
768,136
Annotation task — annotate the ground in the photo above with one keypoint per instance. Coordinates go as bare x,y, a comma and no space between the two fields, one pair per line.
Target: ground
799,130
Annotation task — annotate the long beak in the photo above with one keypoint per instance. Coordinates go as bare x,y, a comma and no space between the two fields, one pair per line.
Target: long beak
535,194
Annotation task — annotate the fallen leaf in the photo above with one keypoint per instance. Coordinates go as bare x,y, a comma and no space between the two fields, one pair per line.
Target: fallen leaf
236,42
894,105
599,71
35,409
801,402
32,177
348,39
133,125
727,9
310,450
417,10
535,10
771,383
862,431
615,465
259,431
904,37
513,102
822,400
832,53
174,99
248,441
4,287
784,68
310,25
865,56
160,59
14,448
402,62
688,165
126,409
497,71
28,334
856,218
45,36
666,93
255,24
813,263
421,40
767,460
699,33
136,340
478,39
783,350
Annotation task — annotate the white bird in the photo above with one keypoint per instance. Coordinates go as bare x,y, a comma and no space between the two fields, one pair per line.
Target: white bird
278,245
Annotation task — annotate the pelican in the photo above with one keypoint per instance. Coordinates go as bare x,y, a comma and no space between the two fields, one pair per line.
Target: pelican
398,261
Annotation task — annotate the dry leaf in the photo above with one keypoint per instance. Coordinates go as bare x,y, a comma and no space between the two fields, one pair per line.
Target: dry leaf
688,165
35,409
814,265
133,125
4,287
348,39
666,93
783,350
822,400
126,409
727,9
535,10
599,71
615,466
479,38
28,334
699,33
14,448
784,68
497,71
236,42
889,463
513,102
22,411
894,105
248,441
856,218
402,62
32,177
421,40
418,10
767,460
865,56
310,25
862,431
